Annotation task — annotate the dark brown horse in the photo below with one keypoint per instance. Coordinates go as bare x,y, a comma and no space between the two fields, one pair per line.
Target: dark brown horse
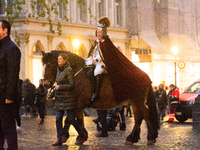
144,104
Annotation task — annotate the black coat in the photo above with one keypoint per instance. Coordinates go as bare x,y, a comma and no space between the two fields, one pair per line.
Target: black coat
41,94
29,93
162,103
65,96
10,56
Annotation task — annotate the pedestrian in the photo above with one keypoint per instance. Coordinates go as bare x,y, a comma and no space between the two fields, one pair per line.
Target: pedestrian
10,56
41,93
173,96
128,110
122,126
113,118
161,99
18,104
29,94
65,100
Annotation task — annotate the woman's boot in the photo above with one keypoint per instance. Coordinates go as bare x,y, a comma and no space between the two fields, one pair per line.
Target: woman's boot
58,142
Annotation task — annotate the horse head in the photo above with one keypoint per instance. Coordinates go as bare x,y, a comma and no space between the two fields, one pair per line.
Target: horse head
50,65
50,69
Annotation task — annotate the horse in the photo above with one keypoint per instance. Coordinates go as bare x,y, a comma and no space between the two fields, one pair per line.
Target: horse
143,104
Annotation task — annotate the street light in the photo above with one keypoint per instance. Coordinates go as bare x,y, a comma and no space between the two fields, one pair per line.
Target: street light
76,44
175,54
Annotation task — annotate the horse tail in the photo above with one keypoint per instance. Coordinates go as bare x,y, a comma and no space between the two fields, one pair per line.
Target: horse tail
153,113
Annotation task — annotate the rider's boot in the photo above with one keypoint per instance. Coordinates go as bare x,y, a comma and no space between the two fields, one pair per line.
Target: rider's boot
96,88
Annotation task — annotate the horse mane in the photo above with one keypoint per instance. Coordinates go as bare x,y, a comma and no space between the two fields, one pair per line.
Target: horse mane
74,59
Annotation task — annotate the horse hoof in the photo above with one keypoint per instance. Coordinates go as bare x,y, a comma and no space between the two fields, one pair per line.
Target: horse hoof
128,142
151,142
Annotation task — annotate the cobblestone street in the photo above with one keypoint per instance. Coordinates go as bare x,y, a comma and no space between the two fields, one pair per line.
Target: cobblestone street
33,136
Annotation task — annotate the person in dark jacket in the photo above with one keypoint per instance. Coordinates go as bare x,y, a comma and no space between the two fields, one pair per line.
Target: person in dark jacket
29,94
161,99
18,104
41,94
10,56
65,100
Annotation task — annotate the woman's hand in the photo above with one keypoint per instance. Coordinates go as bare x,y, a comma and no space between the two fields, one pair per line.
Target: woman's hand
57,87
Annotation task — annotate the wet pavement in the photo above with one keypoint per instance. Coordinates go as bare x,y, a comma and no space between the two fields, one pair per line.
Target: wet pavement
33,136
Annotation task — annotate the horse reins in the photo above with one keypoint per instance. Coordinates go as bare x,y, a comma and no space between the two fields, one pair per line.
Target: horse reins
78,72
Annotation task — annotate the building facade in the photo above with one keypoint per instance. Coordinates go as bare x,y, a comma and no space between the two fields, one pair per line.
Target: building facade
156,26
144,30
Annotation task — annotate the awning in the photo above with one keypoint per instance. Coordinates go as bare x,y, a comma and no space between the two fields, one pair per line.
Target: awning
151,39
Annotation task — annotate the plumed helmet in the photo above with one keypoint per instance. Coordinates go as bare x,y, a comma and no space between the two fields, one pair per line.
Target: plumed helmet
104,23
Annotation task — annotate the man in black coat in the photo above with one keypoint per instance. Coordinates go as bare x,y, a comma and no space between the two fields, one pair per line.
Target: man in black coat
9,75
29,94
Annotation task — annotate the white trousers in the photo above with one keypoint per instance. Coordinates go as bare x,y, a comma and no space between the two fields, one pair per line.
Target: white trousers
98,70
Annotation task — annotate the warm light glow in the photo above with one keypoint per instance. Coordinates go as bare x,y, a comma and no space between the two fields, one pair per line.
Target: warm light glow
34,48
135,57
76,46
175,51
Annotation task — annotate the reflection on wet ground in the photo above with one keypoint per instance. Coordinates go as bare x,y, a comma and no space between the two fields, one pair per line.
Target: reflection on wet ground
33,136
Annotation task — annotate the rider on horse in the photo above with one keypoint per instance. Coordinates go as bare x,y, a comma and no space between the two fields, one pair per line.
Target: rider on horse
95,57
126,78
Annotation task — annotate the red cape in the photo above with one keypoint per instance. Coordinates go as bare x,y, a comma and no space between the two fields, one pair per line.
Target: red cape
126,78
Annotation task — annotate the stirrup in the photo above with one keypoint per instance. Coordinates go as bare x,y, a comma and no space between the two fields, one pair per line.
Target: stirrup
94,97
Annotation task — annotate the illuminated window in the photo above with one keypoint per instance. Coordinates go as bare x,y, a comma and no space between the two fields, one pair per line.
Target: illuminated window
156,75
135,57
36,50
37,70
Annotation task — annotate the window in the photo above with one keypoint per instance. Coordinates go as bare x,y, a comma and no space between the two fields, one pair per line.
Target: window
101,8
194,88
61,9
2,7
37,70
4,4
83,11
39,9
36,50
118,12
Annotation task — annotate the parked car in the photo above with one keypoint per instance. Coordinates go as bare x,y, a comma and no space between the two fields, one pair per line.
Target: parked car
186,101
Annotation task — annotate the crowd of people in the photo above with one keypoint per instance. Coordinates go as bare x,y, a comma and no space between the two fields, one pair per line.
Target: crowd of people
165,100
14,91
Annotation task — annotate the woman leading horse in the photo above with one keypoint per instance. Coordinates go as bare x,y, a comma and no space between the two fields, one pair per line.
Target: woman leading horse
124,81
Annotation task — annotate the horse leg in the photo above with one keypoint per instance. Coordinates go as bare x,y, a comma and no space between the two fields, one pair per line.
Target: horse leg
138,116
151,131
151,117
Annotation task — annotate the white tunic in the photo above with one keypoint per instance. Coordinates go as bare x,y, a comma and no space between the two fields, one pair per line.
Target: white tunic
97,60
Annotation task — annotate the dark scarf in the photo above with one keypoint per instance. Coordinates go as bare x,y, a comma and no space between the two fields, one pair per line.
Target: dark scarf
62,68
